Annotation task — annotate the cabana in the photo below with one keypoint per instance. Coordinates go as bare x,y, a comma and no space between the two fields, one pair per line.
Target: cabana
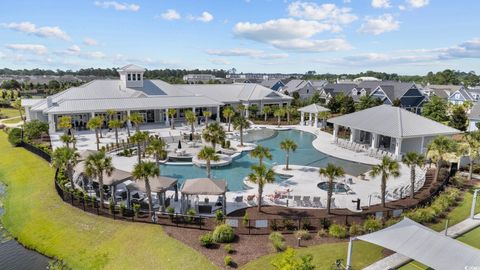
204,186
314,109
158,185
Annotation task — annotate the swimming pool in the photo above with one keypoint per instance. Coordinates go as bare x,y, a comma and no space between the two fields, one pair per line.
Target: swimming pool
234,173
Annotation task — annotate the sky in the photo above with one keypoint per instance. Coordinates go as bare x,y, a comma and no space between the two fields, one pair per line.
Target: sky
344,36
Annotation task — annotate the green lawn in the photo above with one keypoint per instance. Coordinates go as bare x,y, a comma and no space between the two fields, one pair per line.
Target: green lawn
12,120
324,256
9,112
39,219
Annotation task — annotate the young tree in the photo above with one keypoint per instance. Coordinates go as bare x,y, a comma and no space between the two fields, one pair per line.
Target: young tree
214,134
157,149
97,165
136,119
208,154
34,129
413,159
261,175
472,146
65,123
435,109
17,104
95,123
228,113
438,150
367,101
289,111
64,158
288,145
266,111
331,172
261,152
115,124
279,113
66,139
347,104
241,123
171,112
139,138
386,169
144,172
191,119
459,118
207,115
289,261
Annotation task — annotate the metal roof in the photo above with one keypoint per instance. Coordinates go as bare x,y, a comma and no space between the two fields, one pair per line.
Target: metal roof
393,122
313,108
157,184
204,186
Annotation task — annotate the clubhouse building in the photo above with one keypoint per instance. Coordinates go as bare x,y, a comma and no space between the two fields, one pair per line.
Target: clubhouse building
151,98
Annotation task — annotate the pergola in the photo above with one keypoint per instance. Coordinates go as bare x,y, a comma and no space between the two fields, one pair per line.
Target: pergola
314,109
422,244
158,185
203,186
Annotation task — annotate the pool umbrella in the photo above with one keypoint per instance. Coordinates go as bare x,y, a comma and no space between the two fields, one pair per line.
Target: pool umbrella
179,145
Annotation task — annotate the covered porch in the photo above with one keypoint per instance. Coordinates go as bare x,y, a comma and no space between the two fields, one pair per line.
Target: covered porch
193,188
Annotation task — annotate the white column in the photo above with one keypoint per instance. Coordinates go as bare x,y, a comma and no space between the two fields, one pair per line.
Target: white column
302,118
352,134
316,121
335,132
27,114
246,110
374,140
51,124
218,114
349,255
309,119
398,147
167,120
422,145
128,119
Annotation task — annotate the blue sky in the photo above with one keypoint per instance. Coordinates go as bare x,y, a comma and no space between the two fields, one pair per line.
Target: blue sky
403,36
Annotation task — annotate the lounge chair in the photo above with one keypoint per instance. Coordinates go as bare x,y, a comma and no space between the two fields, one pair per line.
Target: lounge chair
238,199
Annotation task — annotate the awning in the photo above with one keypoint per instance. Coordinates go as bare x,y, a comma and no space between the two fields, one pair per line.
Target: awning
204,186
425,245
157,184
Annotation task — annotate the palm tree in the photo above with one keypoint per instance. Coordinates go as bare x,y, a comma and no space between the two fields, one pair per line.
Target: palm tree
324,116
214,134
386,169
260,175
65,158
96,123
208,154
241,123
279,113
17,104
191,119
144,171
331,172
157,149
65,123
413,159
241,109
97,165
289,110
115,124
472,147
110,114
228,113
137,119
207,115
261,153
66,139
139,138
171,112
266,111
288,145
438,150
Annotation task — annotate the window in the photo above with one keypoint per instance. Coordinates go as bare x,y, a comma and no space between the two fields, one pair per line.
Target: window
139,78
133,77
457,96
129,77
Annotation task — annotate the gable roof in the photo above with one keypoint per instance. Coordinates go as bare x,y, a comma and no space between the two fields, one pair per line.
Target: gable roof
475,112
132,68
313,108
394,90
336,88
393,122
466,95
295,85
269,83
204,186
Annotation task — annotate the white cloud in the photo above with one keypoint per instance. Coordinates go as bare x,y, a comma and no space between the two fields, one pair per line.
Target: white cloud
206,17
90,42
325,12
417,3
379,25
219,61
117,6
32,48
252,53
170,15
31,28
381,3
93,55
327,45
74,49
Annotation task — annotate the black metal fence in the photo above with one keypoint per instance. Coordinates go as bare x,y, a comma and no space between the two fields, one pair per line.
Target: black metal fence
37,151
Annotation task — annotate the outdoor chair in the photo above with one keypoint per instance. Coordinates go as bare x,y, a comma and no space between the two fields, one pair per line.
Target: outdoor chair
317,202
238,199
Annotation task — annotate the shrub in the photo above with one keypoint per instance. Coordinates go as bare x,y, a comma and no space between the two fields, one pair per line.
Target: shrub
34,129
206,240
303,235
372,225
306,225
322,232
458,181
228,261
277,240
219,216
421,215
190,215
15,136
223,234
391,222
325,223
123,208
355,229
337,231
229,248
274,226
289,225
245,219
136,209
111,205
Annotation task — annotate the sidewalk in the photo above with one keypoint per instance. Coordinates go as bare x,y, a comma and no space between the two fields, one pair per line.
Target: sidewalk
396,260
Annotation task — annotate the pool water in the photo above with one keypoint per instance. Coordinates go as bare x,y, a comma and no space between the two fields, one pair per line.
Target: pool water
337,187
234,173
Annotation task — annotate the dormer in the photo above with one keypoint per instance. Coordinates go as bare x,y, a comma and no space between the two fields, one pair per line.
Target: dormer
131,76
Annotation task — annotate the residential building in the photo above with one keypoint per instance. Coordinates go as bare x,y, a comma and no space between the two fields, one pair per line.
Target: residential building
460,95
407,94
151,98
274,84
330,90
474,117
196,78
304,88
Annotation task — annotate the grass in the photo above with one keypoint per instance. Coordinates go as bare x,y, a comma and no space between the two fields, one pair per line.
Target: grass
40,220
324,256
9,112
12,120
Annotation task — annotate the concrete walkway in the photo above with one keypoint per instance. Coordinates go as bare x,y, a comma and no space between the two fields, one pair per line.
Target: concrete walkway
397,260
11,125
